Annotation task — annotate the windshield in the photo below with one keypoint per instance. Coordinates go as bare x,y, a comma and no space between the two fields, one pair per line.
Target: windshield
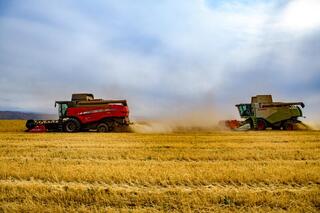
62,110
245,110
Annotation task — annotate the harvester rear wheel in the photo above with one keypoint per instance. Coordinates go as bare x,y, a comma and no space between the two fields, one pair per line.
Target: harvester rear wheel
72,125
103,127
288,126
261,124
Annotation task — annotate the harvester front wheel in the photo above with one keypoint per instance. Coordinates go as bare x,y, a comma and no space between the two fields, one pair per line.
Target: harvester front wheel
102,127
72,125
261,124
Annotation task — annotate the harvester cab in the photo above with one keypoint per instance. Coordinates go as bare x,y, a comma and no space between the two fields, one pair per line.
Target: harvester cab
245,110
62,108
64,105
248,110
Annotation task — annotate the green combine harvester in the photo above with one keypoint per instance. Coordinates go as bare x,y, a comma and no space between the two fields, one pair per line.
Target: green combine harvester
263,113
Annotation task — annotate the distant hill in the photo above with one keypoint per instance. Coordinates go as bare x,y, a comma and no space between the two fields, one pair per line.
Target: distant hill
15,115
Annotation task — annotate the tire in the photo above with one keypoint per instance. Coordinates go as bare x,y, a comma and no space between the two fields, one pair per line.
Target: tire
288,126
261,124
103,127
72,125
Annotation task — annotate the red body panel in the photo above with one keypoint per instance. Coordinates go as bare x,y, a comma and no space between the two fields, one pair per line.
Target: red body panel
89,114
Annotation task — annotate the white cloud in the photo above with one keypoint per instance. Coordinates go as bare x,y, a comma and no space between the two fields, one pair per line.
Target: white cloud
300,15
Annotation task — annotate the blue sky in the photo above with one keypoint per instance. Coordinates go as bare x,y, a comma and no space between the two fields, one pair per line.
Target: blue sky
163,56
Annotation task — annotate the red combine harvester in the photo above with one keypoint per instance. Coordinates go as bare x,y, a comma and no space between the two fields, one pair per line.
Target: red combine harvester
84,113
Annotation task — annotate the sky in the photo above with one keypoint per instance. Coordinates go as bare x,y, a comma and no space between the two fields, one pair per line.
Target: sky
162,56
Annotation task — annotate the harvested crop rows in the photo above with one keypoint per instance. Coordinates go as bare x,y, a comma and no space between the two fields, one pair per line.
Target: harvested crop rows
224,171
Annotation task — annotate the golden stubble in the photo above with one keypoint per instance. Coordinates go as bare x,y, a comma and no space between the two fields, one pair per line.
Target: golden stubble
183,172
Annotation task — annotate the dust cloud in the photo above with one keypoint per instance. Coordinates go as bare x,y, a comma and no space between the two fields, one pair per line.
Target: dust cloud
205,119
312,125
197,120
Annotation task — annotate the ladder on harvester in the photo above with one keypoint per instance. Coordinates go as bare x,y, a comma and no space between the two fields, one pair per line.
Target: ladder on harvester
254,122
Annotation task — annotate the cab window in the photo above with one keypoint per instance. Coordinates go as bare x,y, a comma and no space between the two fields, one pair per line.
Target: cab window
245,110
63,110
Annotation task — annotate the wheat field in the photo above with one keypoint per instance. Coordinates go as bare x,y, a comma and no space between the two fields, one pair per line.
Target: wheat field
179,172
